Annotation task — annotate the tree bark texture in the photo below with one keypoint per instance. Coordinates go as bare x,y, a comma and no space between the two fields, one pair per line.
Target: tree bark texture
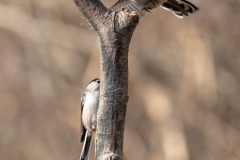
114,30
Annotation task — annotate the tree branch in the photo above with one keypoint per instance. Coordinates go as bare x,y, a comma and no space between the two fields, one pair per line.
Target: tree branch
93,10
114,30
115,39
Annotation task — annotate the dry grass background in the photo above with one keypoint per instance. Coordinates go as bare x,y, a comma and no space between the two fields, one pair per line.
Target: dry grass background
184,82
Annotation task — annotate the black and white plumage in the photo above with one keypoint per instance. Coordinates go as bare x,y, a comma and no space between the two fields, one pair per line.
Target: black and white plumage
179,8
89,107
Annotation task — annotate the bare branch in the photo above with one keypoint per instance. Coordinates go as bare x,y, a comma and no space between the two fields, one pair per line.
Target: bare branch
115,41
93,10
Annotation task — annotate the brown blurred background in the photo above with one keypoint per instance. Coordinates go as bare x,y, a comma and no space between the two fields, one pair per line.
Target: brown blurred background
183,82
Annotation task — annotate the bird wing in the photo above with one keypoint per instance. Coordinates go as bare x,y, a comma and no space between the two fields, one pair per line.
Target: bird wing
83,128
120,3
129,5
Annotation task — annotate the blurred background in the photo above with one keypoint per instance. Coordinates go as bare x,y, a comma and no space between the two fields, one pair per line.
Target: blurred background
183,82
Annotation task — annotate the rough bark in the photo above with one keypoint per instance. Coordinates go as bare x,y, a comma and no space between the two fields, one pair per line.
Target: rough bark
114,30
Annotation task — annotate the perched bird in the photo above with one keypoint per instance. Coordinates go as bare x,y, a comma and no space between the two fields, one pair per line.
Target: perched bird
180,8
89,107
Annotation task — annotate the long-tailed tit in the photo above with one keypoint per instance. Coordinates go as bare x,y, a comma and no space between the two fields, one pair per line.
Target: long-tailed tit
180,8
89,107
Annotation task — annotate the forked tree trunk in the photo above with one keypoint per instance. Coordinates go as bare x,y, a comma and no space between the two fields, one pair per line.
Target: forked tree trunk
114,30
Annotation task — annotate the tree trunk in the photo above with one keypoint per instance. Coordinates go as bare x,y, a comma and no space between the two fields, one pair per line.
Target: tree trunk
114,30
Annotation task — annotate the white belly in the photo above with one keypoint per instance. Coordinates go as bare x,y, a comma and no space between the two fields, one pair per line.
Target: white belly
89,115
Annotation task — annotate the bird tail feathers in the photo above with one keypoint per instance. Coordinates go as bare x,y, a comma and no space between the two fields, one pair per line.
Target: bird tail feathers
86,147
179,8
